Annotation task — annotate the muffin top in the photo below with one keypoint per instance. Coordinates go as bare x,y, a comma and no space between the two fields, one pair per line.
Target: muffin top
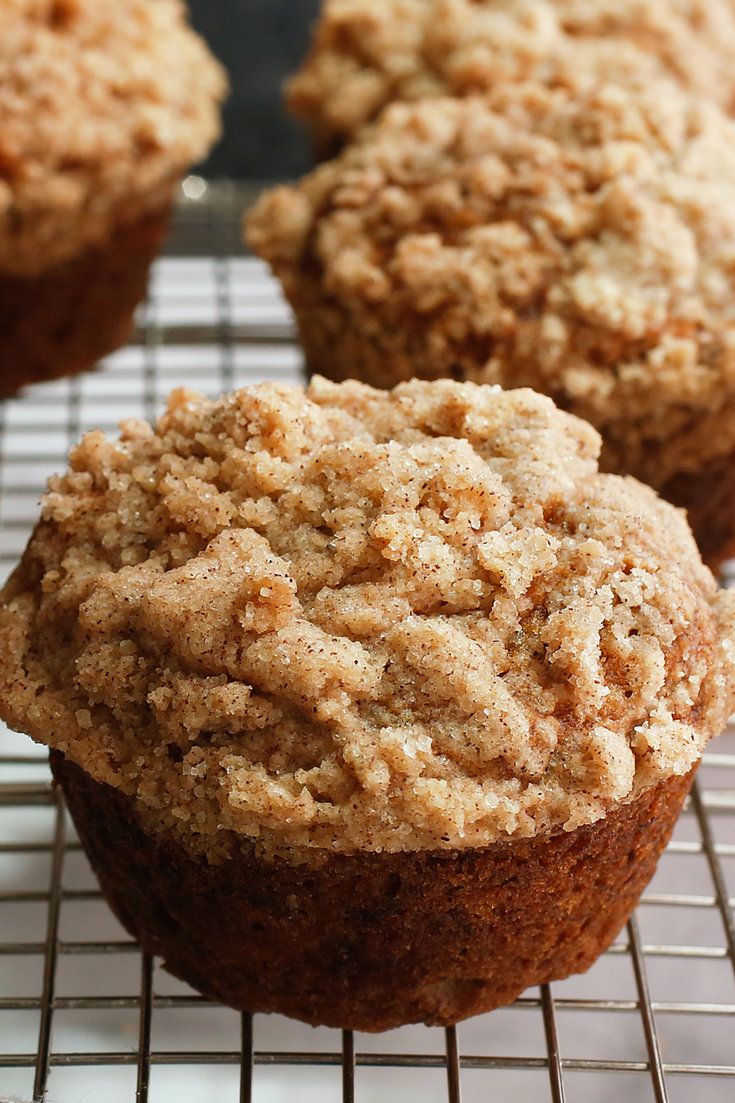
580,245
101,105
358,620
365,55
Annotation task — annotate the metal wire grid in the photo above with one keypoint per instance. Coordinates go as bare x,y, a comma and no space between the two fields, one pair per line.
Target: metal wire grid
215,320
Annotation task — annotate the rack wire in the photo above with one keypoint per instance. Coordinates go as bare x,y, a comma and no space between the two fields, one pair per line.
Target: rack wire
84,1014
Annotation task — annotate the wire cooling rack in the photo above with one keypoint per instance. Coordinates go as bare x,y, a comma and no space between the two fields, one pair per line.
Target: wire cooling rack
85,1016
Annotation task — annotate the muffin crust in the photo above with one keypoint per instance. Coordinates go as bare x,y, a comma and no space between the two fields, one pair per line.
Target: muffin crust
364,621
371,941
366,55
581,245
103,106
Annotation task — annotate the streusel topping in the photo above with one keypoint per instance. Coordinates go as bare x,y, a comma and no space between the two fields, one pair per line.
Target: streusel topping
101,104
583,246
359,620
365,55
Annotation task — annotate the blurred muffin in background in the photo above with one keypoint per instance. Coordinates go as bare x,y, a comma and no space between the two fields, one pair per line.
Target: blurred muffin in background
365,55
582,245
103,108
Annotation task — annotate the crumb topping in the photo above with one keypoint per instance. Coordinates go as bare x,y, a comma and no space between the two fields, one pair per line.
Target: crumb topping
365,55
580,245
358,620
102,104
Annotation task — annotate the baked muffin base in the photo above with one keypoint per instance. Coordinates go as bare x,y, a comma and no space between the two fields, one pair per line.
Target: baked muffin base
372,941
709,498
67,319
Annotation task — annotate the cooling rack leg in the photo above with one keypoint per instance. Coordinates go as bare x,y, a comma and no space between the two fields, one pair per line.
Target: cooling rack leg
453,1079
715,867
552,1045
649,1023
348,1067
246,1058
50,953
144,1032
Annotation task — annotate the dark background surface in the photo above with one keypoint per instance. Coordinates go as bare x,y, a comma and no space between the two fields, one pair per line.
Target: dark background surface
260,42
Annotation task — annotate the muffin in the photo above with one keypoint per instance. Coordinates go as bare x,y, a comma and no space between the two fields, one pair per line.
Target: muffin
580,245
370,707
366,55
103,107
